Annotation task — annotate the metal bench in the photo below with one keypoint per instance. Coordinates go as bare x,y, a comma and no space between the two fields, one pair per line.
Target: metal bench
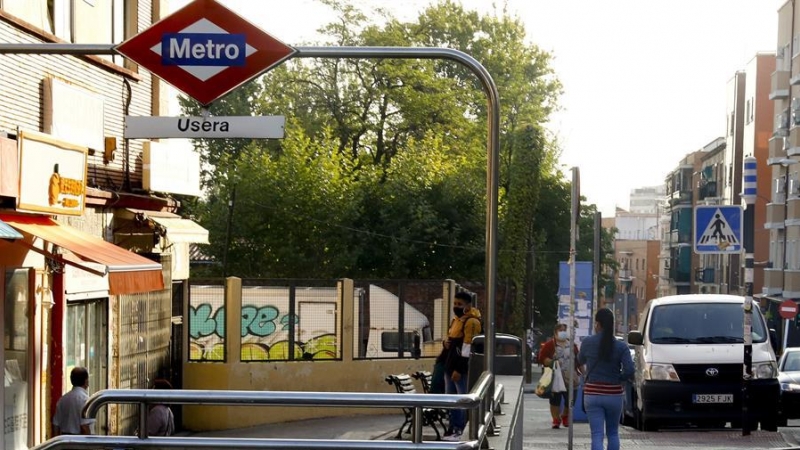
425,379
404,384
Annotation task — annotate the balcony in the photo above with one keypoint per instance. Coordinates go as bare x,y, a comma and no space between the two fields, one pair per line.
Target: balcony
780,85
773,282
679,276
776,216
781,127
777,149
704,275
793,211
791,283
708,190
792,145
682,197
679,238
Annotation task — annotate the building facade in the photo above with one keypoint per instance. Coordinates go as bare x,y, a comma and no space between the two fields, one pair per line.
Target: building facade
781,267
646,200
93,253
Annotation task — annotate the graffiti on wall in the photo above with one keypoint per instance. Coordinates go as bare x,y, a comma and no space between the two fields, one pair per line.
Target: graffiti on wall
265,335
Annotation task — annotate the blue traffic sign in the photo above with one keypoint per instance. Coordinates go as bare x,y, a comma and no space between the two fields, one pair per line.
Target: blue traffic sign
718,229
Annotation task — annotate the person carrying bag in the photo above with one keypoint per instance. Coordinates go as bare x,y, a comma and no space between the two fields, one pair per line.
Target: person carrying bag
555,353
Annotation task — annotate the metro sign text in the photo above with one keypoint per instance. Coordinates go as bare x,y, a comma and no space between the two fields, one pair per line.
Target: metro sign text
205,50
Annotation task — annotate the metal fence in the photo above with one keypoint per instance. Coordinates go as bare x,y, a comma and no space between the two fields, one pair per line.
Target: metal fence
296,320
480,402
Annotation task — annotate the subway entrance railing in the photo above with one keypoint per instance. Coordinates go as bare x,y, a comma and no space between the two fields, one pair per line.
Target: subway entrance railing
481,402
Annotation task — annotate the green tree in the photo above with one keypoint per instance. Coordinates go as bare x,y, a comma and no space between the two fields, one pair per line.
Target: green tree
383,170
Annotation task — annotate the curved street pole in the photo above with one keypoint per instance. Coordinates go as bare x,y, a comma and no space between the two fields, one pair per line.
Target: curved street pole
492,144
492,150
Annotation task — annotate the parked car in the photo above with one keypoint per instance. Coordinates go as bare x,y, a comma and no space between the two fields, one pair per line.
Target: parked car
789,377
689,365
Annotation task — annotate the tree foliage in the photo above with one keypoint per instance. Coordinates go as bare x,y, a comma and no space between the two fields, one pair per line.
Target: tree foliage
382,173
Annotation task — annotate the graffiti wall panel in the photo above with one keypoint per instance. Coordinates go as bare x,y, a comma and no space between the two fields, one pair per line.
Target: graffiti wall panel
278,323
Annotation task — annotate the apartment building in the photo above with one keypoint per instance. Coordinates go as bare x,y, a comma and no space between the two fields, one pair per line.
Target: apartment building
646,200
782,186
92,251
713,176
679,259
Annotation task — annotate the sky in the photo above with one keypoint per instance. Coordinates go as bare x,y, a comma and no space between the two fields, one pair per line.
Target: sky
644,80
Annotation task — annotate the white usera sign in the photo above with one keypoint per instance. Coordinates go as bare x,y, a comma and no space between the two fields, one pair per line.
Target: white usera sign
263,127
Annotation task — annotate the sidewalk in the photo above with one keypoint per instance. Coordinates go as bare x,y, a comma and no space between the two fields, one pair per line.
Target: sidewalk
539,434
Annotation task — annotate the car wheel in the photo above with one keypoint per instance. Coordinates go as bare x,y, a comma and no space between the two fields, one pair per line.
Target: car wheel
642,423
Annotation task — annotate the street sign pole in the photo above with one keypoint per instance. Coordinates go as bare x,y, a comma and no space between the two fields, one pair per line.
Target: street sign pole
748,238
788,311
573,256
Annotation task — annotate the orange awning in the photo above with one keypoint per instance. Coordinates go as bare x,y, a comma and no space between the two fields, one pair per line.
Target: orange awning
128,273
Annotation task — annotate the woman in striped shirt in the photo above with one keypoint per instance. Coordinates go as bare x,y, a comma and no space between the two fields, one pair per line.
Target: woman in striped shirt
609,365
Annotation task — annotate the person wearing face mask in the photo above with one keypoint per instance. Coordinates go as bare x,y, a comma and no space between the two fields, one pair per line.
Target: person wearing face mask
557,349
465,325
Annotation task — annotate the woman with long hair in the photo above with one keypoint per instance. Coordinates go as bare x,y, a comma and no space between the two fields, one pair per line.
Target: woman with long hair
608,365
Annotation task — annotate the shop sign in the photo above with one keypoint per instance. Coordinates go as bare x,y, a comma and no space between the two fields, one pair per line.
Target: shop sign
80,284
52,175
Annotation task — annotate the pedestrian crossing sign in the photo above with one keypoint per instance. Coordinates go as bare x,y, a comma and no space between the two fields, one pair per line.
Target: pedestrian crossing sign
718,229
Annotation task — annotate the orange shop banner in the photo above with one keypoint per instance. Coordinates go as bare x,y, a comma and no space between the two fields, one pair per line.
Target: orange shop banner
52,175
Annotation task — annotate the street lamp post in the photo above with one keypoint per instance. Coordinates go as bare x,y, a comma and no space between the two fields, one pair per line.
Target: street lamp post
625,280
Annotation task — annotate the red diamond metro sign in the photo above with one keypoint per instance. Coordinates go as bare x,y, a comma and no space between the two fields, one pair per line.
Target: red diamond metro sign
205,50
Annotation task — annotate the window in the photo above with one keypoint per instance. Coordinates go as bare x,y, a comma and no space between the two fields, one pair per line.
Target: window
80,21
702,323
17,299
795,45
792,260
747,110
732,124
773,254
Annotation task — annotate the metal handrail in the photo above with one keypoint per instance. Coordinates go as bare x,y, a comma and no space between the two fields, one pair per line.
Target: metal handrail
481,406
79,442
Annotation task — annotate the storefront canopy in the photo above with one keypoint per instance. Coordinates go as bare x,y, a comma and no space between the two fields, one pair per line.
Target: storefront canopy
128,273
176,229
7,232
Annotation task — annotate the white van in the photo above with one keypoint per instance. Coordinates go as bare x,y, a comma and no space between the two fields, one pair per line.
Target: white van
689,365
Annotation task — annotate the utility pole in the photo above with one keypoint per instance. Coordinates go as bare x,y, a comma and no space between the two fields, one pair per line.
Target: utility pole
530,263
598,223
748,238
573,255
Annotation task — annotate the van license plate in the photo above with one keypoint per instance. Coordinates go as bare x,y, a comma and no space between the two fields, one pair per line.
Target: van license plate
712,398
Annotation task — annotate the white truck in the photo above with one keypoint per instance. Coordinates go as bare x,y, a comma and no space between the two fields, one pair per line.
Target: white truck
316,320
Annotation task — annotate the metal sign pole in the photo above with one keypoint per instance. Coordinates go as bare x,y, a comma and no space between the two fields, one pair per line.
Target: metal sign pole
748,238
573,255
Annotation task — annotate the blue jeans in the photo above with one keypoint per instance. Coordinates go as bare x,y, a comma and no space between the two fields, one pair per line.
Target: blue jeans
458,417
603,412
